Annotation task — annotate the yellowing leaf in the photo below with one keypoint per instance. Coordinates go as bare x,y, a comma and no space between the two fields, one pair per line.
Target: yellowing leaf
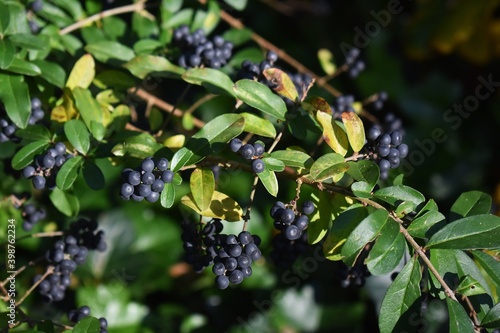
355,130
221,206
283,84
333,134
82,73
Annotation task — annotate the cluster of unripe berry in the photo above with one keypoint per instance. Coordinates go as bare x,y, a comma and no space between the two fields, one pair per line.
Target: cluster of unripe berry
147,181
8,129
43,171
76,315
388,148
66,255
287,222
32,215
249,152
197,50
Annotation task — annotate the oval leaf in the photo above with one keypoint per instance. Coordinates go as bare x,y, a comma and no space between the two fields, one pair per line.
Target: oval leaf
211,76
69,171
427,224
93,175
221,206
471,203
91,112
273,164
354,129
51,72
87,325
365,171
282,83
24,157
333,134
82,73
16,98
258,126
167,196
105,49
269,180
293,158
388,250
260,97
328,166
474,232
399,193
67,203
492,318
142,65
321,219
202,184
400,300
77,135
459,319
140,146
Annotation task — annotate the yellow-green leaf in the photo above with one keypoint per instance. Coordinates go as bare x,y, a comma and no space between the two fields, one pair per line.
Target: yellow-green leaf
355,130
202,184
82,73
333,134
326,61
282,83
221,206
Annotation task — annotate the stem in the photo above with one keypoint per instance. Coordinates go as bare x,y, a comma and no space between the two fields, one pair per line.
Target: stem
136,7
38,235
49,271
278,138
252,196
141,93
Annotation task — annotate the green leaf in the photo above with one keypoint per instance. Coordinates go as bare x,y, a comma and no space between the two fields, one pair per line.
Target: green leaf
140,146
65,202
312,104
427,224
87,325
258,126
400,300
328,166
71,6
114,79
146,46
365,171
237,36
269,180
474,232
27,41
326,61
18,22
221,206
209,76
320,221
77,135
282,84
260,97
4,17
167,196
388,250
23,67
144,25
106,49
93,175
364,233
25,155
429,206
211,138
293,158
66,176
16,98
362,189
492,318
343,225
469,286
34,133
469,204
237,4
51,72
273,164
490,265
459,319
7,51
143,65
333,134
354,129
91,112
82,73
202,185
399,193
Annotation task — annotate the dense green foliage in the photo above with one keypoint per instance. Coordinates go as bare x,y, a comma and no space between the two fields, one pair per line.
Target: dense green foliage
130,155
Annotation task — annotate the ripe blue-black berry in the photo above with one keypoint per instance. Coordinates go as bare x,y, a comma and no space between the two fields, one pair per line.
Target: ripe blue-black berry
258,166
235,144
307,207
247,151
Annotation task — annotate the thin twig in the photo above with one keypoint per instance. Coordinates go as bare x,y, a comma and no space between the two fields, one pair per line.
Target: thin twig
249,207
136,7
49,271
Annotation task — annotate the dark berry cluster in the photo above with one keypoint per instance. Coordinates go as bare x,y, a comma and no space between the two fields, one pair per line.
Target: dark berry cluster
378,102
254,71
199,244
234,257
197,50
32,215
8,129
66,255
76,315
147,181
290,224
354,275
248,152
43,171
343,103
388,149
285,252
355,65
